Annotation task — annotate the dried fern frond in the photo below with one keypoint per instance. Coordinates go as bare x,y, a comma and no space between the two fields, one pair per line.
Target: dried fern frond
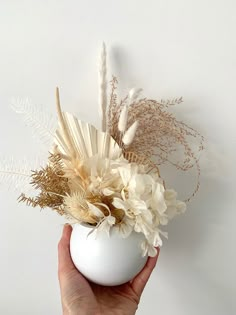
43,200
16,173
42,123
52,185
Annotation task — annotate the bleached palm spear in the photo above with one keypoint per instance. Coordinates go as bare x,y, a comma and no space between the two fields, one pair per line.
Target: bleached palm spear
65,128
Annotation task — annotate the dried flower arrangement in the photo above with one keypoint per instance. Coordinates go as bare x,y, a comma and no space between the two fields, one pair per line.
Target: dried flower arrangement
110,178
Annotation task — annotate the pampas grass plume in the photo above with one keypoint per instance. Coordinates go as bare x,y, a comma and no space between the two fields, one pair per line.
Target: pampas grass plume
102,86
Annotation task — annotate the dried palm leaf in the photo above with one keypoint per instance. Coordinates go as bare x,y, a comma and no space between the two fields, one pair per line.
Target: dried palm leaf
86,140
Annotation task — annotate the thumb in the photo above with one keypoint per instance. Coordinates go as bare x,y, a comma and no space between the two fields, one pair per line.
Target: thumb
65,263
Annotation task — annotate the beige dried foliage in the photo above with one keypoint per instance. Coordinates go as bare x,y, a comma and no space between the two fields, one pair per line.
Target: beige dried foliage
51,184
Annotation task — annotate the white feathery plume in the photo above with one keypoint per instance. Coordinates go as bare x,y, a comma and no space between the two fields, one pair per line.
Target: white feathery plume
16,173
102,71
42,123
123,119
130,134
134,94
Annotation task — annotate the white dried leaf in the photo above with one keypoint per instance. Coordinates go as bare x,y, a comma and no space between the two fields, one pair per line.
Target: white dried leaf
123,119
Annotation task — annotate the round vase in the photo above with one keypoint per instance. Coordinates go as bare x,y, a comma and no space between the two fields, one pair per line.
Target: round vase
104,259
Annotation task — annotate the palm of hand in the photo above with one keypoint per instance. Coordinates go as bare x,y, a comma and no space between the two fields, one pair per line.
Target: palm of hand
116,300
79,296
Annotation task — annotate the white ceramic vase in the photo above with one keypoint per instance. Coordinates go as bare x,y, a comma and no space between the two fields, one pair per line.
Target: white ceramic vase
106,260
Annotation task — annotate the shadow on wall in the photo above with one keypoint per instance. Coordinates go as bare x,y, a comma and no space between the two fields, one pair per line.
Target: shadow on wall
188,232
209,208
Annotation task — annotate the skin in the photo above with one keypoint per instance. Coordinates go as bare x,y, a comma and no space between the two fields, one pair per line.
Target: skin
79,296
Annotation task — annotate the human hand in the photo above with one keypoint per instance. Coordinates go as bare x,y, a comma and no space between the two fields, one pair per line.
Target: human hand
81,297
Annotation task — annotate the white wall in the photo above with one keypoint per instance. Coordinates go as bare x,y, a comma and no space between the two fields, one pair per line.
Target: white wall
168,47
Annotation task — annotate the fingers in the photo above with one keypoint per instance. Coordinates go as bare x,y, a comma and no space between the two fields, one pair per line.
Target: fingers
140,281
64,259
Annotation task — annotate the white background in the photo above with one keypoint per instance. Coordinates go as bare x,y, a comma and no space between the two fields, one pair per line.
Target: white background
169,48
